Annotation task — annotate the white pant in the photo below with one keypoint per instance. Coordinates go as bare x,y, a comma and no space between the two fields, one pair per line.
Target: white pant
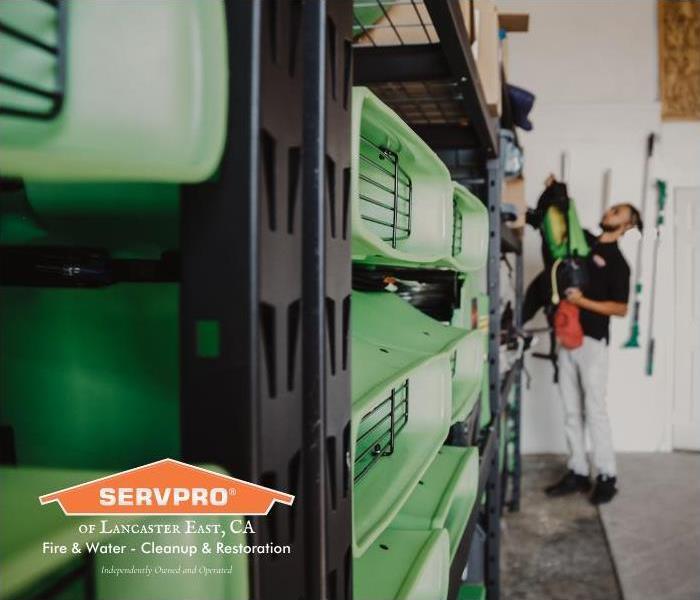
583,375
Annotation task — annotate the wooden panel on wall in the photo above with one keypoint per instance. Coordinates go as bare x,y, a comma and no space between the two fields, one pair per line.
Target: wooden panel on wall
679,59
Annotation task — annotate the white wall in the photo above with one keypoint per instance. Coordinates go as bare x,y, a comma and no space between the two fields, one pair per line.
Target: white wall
593,66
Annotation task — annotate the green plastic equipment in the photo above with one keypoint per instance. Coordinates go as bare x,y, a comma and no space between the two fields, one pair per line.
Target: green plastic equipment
445,495
26,524
473,314
128,220
400,190
388,320
470,231
400,417
485,402
26,570
146,91
470,591
660,212
467,360
89,377
633,339
563,233
404,565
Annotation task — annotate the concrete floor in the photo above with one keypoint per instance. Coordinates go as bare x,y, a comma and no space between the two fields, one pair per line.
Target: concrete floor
654,526
554,549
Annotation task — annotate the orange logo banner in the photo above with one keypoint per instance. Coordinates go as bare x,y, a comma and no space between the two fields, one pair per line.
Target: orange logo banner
167,487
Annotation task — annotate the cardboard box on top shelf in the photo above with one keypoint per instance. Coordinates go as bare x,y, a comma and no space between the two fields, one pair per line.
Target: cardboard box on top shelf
514,22
486,53
469,19
514,193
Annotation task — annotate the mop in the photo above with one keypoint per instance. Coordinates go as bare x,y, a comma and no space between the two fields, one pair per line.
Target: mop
660,206
633,340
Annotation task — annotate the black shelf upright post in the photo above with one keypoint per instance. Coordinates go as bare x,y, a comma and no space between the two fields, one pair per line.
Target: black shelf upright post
313,321
337,92
220,305
494,178
514,502
262,314
326,294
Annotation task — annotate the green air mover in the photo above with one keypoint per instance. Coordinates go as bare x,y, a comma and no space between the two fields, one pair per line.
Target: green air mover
89,377
470,231
401,405
445,496
404,565
144,92
386,318
400,190
126,220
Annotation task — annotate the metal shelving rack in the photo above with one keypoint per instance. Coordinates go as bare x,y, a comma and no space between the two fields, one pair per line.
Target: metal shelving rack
266,270
514,474
434,86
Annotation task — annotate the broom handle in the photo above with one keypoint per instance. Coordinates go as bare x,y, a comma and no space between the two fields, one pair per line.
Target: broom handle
645,194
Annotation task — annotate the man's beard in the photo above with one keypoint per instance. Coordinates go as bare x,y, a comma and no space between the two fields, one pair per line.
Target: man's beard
609,228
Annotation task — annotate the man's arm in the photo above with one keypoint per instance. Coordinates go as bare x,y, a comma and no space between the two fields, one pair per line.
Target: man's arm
609,308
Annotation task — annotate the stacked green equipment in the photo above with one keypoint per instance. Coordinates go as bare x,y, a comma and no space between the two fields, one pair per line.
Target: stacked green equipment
412,376
89,372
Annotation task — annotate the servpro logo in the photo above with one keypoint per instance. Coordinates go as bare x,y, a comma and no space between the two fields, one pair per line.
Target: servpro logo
163,496
167,487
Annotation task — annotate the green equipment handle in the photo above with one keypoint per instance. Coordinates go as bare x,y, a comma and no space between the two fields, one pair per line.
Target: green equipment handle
633,340
661,187
661,206
650,357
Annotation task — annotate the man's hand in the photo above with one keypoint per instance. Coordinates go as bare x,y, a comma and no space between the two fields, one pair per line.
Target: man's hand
550,180
574,295
604,307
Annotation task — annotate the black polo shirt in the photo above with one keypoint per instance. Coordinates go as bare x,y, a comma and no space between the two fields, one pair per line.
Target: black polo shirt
608,280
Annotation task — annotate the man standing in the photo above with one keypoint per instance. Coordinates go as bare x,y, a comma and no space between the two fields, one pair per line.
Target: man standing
583,371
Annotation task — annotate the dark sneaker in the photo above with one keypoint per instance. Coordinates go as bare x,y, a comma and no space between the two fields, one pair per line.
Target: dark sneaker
569,484
604,490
